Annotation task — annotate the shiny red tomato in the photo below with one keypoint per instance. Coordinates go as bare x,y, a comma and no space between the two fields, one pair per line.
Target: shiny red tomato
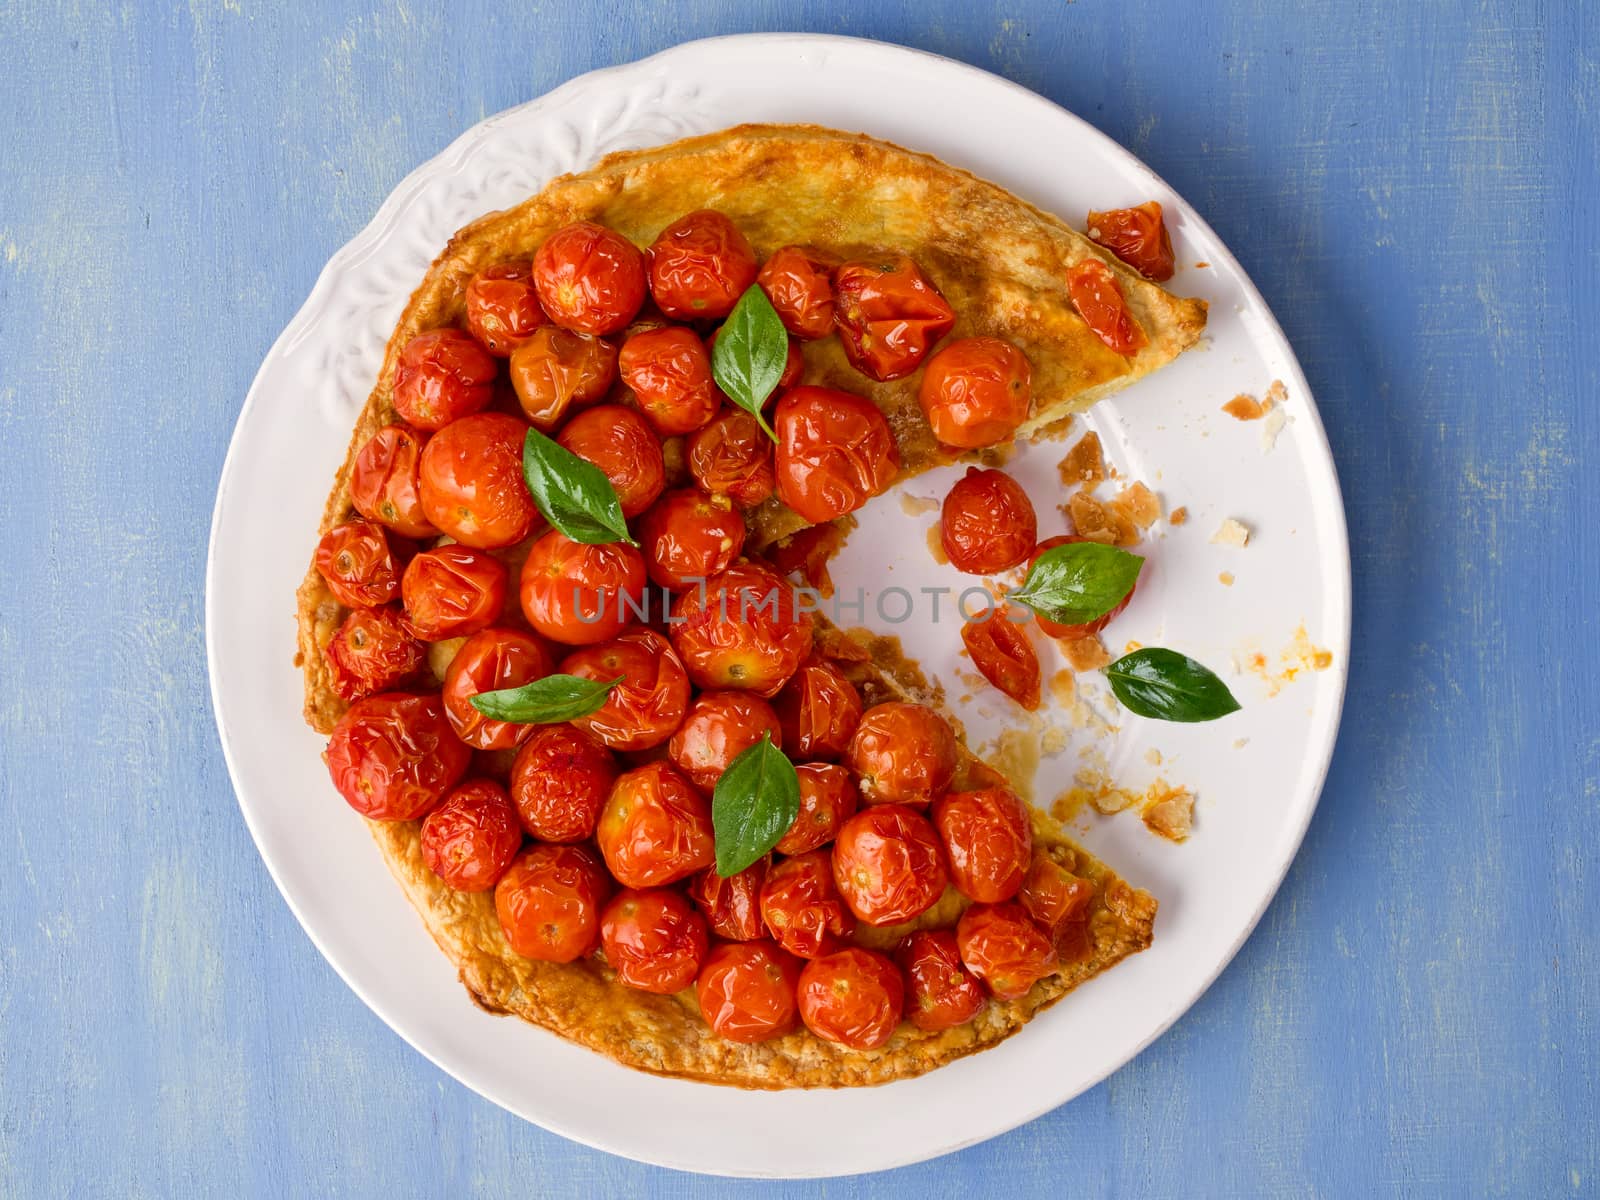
988,839
828,798
732,457
1055,899
472,486
799,282
835,452
442,376
853,997
653,939
503,307
549,902
647,707
819,710
1138,236
699,266
555,370
589,278
688,536
355,561
578,594
486,662
987,524
394,756
732,906
470,839
1072,632
1002,947
669,373
1098,298
719,727
621,443
373,651
940,992
655,828
453,591
386,482
902,753
888,864
746,991
744,629
976,391
1003,654
802,907
889,316
560,781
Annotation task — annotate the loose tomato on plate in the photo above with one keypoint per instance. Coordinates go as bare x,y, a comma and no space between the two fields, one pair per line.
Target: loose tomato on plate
560,781
828,798
718,728
902,753
888,864
1055,898
394,756
1138,236
472,486
940,992
1003,654
854,997
620,442
470,839
589,278
549,902
655,828
355,561
556,370
386,482
647,707
799,282
578,594
699,266
819,710
669,372
976,391
801,905
373,651
653,940
453,591
732,457
732,906
987,523
743,629
492,659
1002,947
503,307
988,839
1072,632
442,376
746,991
835,452
1098,298
889,316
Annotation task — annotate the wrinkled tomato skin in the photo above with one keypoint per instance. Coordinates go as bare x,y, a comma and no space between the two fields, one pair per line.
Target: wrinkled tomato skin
453,591
746,991
653,940
386,482
355,561
801,906
1003,948
818,710
373,651
732,906
835,452
647,707
669,373
589,278
560,781
688,537
888,864
580,595
940,992
718,728
902,753
975,392
1003,654
799,282
732,457
889,315
443,375
488,661
744,629
987,524
394,756
556,370
828,798
620,442
853,997
1072,632
1097,296
472,486
549,902
470,839
655,828
699,267
503,307
1055,899
988,841
1138,236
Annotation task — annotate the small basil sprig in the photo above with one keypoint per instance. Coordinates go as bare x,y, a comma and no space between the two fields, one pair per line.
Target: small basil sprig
1076,583
756,800
574,495
546,701
1168,686
750,352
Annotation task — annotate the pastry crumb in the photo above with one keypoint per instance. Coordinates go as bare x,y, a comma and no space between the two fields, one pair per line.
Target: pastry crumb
1201,266
1271,428
1084,463
1179,515
1085,654
1153,757
1244,408
1225,578
916,506
1240,743
1169,811
1139,505
1276,394
1232,532
1099,522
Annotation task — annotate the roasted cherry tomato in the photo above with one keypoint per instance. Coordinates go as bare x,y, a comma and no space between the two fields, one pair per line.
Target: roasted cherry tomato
940,992
720,726
854,997
589,278
747,991
1002,947
386,482
818,710
699,266
988,839
470,839
373,651
732,906
355,561
578,594
835,452
549,902
889,316
987,524
1072,632
453,591
654,940
828,797
888,865
621,443
394,756
976,391
1138,236
732,457
486,662
802,907
1097,296
555,370
655,828
902,753
1055,898
799,282
560,781
688,537
472,486
743,629
1002,652
669,372
443,375
647,707
503,307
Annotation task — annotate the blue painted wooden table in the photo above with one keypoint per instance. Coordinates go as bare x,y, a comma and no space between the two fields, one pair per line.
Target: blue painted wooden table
1415,191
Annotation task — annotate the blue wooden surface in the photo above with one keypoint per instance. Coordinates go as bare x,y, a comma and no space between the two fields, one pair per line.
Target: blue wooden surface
1414,189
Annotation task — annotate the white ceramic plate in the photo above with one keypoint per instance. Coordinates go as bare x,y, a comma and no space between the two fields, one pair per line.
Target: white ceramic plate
1255,798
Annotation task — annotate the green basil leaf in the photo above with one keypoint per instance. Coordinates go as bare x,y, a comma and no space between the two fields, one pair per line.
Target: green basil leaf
1076,583
574,495
1168,686
755,801
749,356
546,701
